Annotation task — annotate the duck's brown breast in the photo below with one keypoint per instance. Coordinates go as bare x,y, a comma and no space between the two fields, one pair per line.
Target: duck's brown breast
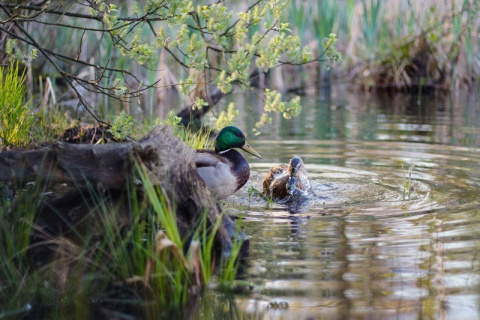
239,167
273,181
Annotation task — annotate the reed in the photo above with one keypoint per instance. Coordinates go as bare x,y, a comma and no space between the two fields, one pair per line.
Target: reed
405,45
407,181
371,21
229,267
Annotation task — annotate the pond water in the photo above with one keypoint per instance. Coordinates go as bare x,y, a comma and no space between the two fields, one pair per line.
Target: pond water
366,245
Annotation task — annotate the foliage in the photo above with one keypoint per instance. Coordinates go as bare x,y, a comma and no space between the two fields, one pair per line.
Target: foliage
222,42
15,116
122,127
330,47
13,50
273,103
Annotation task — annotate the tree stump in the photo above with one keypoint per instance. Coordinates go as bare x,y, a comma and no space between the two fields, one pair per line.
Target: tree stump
169,163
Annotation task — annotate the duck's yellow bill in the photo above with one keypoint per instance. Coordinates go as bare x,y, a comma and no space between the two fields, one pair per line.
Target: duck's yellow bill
246,147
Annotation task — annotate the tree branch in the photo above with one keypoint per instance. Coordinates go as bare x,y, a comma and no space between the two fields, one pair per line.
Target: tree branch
62,73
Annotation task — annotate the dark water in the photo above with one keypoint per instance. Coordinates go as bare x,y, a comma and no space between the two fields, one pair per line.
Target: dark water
365,247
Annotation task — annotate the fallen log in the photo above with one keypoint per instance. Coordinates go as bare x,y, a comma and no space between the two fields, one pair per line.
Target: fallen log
169,163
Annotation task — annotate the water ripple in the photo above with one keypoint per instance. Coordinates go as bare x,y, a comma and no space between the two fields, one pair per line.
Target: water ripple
372,234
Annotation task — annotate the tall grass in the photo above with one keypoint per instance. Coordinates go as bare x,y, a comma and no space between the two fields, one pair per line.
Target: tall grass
196,139
205,243
124,257
16,229
371,21
229,267
15,116
403,44
19,125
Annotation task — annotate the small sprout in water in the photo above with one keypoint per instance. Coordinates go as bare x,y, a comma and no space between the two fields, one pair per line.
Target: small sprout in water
407,182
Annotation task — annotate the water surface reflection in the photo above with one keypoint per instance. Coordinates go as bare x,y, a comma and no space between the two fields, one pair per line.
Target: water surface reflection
363,248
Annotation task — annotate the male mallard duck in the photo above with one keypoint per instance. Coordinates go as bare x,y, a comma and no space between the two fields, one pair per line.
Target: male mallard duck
284,180
224,170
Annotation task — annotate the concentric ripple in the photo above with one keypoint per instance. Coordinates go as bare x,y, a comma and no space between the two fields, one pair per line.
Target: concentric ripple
375,240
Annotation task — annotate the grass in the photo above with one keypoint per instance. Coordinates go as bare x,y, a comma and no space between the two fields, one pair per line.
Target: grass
19,125
229,267
15,116
195,138
124,258
252,190
16,229
371,23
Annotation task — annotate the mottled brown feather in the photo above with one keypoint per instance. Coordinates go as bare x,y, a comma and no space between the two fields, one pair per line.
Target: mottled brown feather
275,182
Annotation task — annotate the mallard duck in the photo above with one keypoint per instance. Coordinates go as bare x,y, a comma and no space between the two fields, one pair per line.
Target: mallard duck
224,170
286,180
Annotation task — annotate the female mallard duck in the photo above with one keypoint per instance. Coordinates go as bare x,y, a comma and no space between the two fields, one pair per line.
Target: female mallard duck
284,180
224,170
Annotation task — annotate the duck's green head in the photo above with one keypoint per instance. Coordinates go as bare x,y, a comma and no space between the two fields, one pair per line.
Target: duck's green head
231,137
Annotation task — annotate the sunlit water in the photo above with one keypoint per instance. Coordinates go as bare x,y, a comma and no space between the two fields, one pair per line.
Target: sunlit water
373,241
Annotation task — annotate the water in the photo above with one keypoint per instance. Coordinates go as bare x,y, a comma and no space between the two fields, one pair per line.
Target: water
366,246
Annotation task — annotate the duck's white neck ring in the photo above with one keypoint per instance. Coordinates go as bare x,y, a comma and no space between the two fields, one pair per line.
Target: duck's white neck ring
222,152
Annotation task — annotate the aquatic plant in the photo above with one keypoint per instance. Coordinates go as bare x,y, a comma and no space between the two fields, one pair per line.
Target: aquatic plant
407,181
422,48
405,45
229,267
254,191
371,22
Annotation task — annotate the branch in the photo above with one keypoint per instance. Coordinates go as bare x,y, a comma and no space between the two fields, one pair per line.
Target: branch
62,73
98,17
